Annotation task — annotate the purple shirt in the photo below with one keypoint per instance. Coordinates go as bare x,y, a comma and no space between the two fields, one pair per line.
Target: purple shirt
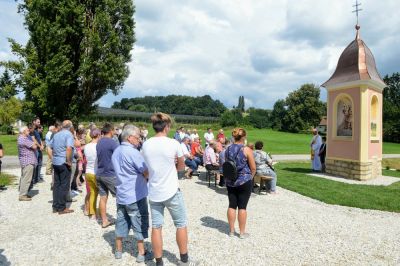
235,152
105,148
26,154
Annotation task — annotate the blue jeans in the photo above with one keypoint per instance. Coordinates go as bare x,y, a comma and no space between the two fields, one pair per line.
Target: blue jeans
271,184
176,208
192,164
38,167
135,216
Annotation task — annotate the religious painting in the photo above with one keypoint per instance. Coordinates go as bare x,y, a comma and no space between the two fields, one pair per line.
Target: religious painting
374,117
344,118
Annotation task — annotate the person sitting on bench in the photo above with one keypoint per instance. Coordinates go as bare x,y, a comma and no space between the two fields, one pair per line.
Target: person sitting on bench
210,159
264,166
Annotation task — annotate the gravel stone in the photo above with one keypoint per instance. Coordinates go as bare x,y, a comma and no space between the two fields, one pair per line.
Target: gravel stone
285,229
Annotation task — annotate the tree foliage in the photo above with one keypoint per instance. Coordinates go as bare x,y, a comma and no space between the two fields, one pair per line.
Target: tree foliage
10,110
391,108
7,86
231,118
173,104
259,118
277,114
241,106
10,106
77,52
300,110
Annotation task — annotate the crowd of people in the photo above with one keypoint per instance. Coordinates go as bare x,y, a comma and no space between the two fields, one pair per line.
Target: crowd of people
142,174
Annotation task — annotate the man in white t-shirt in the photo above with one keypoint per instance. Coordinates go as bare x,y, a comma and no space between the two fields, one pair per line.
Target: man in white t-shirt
209,136
164,157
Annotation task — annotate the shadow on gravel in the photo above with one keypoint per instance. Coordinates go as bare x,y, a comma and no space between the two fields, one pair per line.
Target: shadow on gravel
219,190
129,246
298,170
33,192
3,259
204,182
211,222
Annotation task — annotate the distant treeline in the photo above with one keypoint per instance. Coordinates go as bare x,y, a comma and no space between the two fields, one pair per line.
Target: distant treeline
173,104
115,115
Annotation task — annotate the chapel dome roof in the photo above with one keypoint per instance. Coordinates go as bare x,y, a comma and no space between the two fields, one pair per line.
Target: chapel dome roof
355,63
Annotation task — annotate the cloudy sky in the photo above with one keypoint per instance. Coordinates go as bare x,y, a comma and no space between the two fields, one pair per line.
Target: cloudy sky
262,49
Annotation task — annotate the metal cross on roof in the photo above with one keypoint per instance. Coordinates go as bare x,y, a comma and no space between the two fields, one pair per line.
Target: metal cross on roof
357,5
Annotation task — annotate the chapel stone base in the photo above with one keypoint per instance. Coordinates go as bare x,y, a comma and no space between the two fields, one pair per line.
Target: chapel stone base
354,170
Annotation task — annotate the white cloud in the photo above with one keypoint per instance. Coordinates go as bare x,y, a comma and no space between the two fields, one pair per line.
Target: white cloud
259,49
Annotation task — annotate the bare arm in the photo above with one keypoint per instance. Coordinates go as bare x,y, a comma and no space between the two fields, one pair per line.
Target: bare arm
146,175
69,155
50,153
250,159
180,165
1,153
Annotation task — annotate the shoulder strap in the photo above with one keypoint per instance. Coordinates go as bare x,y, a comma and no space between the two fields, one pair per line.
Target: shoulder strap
237,154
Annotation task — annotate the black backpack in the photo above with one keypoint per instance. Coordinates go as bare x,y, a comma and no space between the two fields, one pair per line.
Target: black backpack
229,168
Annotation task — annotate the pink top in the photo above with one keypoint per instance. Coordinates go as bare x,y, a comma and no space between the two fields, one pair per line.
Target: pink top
209,156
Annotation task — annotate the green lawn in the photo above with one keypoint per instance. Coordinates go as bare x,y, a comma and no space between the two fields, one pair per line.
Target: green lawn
275,142
391,148
392,163
293,176
5,179
9,143
391,173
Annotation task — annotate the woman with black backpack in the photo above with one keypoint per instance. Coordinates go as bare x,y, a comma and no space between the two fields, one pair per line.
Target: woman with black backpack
239,169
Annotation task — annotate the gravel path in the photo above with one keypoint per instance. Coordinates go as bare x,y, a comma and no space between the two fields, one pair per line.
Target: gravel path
286,229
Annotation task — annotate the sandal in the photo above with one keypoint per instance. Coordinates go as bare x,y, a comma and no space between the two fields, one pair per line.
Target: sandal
107,225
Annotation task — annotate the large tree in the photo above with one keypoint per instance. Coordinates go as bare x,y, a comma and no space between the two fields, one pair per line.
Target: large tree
391,108
278,114
77,52
301,110
304,109
10,106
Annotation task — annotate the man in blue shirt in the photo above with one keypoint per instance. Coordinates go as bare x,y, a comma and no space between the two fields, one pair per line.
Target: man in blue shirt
61,146
105,175
131,192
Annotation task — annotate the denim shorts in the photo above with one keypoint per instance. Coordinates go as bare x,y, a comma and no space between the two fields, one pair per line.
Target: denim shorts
176,208
135,216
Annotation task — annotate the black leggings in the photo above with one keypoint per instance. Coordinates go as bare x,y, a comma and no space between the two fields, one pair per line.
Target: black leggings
239,196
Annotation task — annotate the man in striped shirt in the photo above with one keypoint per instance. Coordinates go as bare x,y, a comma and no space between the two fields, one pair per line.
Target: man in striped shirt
28,161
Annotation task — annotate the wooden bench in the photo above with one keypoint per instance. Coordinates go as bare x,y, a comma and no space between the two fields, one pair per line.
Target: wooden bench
210,173
262,180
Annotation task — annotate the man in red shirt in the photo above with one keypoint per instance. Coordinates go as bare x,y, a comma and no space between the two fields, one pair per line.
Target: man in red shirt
197,150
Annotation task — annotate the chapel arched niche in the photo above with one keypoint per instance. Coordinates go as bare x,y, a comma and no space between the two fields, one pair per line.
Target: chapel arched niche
344,116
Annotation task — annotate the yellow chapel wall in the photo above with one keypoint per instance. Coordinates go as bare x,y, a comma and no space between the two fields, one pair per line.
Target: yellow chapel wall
375,142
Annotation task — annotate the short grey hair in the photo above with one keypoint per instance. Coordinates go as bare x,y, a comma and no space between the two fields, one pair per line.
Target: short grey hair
129,130
22,129
67,124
